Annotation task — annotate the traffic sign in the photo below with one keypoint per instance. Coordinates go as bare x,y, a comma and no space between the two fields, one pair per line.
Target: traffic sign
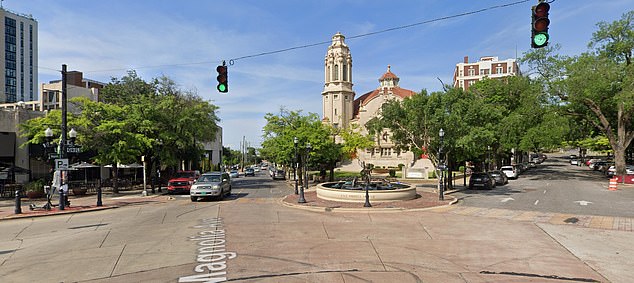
61,164
73,149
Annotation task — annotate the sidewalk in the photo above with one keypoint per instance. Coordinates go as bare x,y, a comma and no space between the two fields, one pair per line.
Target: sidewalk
77,204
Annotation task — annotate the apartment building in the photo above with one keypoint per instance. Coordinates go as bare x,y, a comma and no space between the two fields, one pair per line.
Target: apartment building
18,57
466,73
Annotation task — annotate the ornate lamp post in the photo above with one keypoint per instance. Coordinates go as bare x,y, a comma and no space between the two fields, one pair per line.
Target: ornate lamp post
441,166
488,159
295,164
301,190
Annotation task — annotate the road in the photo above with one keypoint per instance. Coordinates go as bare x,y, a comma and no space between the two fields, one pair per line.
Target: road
556,186
250,237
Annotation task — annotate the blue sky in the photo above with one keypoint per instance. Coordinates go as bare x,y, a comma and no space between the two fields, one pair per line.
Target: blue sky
103,39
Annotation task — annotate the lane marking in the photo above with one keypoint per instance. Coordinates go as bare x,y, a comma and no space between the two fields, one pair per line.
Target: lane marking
544,191
536,202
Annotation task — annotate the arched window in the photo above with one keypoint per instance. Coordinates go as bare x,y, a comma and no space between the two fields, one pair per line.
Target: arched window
336,73
345,72
328,75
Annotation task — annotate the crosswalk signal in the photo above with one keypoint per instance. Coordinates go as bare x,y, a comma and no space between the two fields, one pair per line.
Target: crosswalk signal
539,25
222,78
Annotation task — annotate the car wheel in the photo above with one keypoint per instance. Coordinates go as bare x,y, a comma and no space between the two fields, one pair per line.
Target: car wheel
194,199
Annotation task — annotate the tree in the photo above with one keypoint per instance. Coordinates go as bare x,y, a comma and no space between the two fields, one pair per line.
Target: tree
598,87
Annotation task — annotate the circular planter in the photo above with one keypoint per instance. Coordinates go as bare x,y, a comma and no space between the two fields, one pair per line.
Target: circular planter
343,195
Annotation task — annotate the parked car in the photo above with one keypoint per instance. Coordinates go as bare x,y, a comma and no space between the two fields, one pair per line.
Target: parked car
481,180
629,170
279,174
511,172
572,156
211,185
182,181
499,177
574,162
249,172
234,174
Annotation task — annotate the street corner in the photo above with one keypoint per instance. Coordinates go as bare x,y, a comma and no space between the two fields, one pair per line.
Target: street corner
423,201
6,214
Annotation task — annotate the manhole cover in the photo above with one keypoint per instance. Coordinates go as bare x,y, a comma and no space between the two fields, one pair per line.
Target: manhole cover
572,220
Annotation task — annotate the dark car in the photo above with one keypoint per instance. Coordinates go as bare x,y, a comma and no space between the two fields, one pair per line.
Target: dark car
249,172
499,177
481,180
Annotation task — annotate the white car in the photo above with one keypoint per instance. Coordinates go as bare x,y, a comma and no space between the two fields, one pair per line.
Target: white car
509,171
574,162
211,185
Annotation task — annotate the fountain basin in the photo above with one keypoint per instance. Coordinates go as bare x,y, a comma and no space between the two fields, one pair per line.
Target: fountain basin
398,191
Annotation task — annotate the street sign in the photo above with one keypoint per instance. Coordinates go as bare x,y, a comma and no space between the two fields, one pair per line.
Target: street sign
61,164
53,155
73,149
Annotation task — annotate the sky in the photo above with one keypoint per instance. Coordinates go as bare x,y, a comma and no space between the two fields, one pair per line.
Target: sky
186,39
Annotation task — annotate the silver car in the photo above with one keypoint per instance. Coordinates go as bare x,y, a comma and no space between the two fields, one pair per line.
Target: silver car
211,185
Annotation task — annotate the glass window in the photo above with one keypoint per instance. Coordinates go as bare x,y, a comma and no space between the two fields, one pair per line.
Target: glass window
336,73
471,72
498,70
345,72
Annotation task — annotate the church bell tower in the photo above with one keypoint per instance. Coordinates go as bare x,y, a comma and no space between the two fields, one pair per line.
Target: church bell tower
338,96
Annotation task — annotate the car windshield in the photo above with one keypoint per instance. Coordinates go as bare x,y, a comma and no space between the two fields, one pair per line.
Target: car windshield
209,178
185,175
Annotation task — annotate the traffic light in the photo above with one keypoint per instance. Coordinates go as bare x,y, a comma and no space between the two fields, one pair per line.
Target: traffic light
223,84
539,25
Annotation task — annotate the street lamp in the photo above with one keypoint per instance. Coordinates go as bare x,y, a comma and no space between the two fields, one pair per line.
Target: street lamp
301,191
441,166
295,163
488,159
72,134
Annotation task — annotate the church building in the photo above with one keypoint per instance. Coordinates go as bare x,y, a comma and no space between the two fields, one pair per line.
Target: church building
341,109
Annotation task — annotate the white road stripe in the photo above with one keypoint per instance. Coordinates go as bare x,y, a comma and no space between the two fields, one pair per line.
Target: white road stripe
536,202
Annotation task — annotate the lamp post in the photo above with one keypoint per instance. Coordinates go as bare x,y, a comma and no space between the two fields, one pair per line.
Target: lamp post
488,159
441,166
301,190
295,163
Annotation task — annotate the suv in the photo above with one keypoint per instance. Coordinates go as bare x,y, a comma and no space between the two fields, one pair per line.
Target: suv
249,172
212,185
481,179
182,181
510,171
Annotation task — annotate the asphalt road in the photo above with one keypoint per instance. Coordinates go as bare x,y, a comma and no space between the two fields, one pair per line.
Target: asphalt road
556,186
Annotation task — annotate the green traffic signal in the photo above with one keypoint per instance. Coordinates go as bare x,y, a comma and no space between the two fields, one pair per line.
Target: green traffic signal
222,78
539,25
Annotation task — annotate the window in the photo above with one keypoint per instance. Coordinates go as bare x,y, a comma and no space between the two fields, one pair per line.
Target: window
498,70
336,73
460,73
471,72
461,82
510,69
335,111
345,72
328,74
336,96
471,83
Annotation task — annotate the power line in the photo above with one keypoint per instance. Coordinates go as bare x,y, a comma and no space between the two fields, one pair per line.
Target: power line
314,44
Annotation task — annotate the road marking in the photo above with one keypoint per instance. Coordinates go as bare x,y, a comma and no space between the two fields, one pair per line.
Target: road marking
506,199
536,202
583,202
544,191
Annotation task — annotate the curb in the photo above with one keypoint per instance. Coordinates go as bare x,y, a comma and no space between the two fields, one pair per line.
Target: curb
363,209
56,212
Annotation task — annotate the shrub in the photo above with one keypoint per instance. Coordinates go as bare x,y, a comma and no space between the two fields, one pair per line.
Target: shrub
392,173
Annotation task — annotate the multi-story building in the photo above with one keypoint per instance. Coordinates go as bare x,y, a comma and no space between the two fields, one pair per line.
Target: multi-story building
466,74
18,57
342,110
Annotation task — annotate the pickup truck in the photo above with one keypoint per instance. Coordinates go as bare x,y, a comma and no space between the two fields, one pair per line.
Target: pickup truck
182,181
